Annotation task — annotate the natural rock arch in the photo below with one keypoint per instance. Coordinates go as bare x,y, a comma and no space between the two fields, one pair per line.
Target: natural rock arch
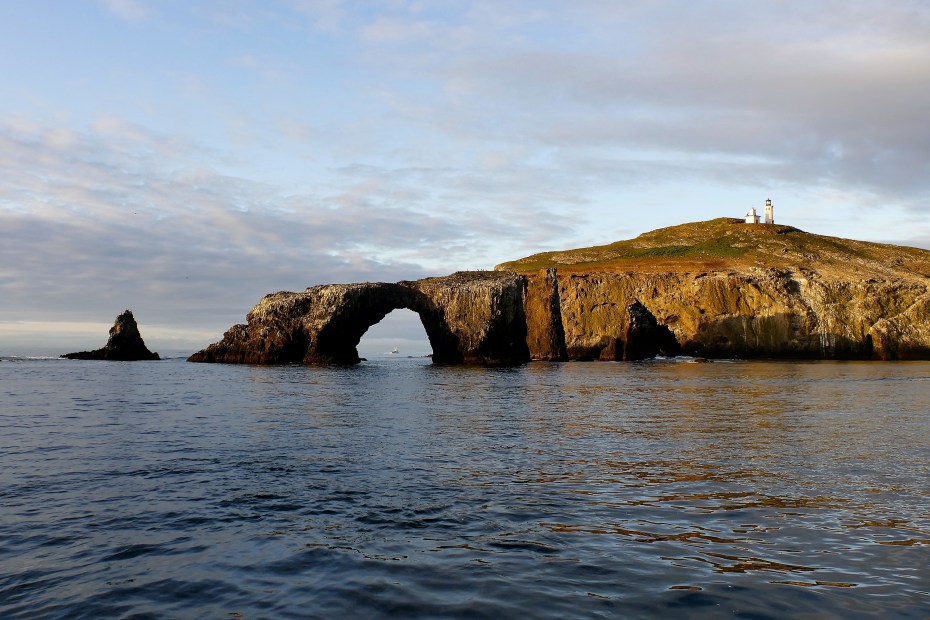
337,341
469,317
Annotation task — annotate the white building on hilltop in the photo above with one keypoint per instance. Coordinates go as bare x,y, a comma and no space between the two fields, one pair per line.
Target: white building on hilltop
769,218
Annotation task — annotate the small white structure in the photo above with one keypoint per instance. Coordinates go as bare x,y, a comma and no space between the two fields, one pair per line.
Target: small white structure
753,218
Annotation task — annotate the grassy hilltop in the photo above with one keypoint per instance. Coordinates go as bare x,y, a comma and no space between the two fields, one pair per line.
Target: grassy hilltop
731,244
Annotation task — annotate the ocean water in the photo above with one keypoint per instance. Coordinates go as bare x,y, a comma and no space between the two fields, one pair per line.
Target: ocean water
398,488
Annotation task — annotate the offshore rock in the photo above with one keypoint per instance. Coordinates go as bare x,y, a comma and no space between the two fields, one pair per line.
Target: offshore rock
125,343
469,317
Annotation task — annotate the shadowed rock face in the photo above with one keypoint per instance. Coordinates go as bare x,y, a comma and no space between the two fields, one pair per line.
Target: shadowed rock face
644,338
469,317
125,343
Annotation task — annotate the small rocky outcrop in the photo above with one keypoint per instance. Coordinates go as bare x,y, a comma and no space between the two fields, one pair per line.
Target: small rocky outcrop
469,317
125,343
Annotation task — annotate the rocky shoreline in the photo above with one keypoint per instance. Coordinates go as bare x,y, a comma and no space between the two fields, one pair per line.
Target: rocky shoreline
505,318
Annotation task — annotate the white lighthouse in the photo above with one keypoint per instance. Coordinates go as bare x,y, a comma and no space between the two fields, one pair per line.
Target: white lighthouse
768,217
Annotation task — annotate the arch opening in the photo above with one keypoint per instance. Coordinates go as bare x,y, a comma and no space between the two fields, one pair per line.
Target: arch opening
337,340
399,334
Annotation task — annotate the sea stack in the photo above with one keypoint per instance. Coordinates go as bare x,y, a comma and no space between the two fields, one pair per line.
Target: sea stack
125,343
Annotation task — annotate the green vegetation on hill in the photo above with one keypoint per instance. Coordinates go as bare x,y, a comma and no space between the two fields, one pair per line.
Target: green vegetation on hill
727,243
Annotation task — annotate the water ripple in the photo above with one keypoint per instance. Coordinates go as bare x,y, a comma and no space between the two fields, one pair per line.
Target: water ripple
763,490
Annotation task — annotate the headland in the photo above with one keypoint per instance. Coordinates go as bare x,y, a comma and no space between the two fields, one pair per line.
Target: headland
720,289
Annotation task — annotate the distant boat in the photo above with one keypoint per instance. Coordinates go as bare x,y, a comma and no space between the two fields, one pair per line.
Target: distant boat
394,351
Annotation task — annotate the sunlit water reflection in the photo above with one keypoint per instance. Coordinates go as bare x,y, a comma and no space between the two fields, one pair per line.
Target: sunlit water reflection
553,490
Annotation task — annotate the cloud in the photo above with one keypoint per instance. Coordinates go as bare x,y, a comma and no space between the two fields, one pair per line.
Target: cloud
326,15
829,94
130,10
267,69
117,216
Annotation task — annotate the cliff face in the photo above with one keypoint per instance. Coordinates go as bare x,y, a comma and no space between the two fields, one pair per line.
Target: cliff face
758,313
904,336
545,334
473,317
482,311
730,290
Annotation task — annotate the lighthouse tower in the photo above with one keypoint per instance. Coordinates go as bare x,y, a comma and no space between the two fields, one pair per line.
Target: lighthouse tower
769,215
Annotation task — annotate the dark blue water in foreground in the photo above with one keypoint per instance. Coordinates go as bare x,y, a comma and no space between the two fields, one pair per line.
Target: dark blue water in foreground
745,489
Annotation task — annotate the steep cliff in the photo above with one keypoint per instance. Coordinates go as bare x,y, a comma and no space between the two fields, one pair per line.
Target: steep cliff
728,289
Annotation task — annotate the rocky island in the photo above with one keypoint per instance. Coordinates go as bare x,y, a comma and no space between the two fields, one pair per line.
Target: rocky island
728,289
715,289
124,345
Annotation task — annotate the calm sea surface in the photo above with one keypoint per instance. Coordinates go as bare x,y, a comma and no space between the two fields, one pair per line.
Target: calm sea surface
396,488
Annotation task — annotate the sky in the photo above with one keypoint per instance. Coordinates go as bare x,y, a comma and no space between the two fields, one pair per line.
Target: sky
182,159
